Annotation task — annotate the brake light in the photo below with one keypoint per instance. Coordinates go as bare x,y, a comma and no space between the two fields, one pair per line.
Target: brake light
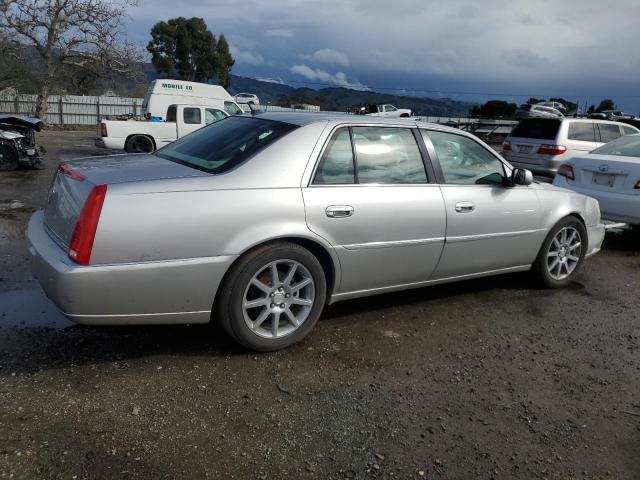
66,170
85,232
506,146
637,185
566,170
552,149
103,129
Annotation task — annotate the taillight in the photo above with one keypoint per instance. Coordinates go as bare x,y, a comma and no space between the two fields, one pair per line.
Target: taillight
566,170
506,146
66,170
85,232
552,149
103,129
637,185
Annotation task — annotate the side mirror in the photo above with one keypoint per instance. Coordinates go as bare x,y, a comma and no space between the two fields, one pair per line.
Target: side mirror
520,176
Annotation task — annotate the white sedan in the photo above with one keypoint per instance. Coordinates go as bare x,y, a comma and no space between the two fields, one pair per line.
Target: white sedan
611,175
247,99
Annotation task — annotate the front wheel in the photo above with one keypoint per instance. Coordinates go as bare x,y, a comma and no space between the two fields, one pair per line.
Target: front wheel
272,297
562,253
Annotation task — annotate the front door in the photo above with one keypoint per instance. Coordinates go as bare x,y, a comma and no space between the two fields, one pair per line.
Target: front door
490,226
370,198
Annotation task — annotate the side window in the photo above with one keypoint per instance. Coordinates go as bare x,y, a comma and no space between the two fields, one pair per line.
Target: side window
232,109
387,155
212,115
626,130
464,161
336,164
191,116
608,132
583,131
171,113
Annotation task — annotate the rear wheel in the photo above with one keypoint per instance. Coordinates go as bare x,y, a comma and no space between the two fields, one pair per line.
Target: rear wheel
9,157
272,297
562,253
139,144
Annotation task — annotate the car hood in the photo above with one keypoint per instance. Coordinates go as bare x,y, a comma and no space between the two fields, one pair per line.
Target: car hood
112,169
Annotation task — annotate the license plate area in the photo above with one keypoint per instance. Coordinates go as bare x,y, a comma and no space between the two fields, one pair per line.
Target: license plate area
524,148
604,179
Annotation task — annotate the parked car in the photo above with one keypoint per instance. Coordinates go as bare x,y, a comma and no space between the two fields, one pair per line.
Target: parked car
247,98
557,105
537,111
18,142
612,115
162,93
145,137
541,145
258,222
388,111
610,174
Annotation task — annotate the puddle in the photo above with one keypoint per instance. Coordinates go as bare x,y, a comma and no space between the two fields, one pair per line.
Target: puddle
30,308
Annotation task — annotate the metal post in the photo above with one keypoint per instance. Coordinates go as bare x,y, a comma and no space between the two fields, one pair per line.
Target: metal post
97,109
134,108
16,104
60,110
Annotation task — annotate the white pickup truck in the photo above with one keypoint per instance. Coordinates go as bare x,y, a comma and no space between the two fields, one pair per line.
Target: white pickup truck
137,136
388,111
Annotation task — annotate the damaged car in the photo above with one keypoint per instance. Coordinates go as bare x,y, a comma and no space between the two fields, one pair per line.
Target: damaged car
18,142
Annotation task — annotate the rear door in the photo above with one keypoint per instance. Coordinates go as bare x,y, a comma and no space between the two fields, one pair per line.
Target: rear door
370,197
490,226
581,137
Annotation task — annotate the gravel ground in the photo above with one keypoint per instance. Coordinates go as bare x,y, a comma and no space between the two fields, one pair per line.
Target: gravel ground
483,379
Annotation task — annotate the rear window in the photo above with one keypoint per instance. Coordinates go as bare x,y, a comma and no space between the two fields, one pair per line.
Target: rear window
221,146
546,129
608,132
627,146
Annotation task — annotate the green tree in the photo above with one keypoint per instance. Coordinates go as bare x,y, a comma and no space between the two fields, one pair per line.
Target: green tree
225,62
185,49
494,109
606,104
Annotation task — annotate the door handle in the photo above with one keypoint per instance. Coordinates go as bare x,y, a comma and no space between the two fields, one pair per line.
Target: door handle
339,211
465,207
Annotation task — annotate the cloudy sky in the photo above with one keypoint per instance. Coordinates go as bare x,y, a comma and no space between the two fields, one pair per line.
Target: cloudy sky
583,50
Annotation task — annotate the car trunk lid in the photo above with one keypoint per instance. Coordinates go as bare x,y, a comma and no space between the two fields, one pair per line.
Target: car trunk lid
604,173
74,181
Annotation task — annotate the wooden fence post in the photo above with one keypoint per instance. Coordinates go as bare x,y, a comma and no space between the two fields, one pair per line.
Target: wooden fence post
16,104
97,109
60,110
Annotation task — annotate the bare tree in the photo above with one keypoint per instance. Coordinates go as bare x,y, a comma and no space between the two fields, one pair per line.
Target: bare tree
85,34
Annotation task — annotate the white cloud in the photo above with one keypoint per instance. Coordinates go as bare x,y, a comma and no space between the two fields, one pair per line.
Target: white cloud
246,56
279,32
279,81
322,76
329,57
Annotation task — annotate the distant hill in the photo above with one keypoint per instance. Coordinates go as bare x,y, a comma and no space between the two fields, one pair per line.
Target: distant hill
342,99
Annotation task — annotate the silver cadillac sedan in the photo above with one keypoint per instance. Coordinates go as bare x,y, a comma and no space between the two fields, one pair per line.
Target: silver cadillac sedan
257,222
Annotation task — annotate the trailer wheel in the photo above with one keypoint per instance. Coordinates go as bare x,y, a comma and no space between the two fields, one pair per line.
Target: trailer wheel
139,144
9,157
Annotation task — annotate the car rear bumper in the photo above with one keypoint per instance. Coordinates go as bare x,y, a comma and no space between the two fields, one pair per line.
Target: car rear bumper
617,207
595,235
539,164
177,291
110,143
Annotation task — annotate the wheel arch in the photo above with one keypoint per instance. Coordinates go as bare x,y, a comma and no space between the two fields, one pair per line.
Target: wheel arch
324,253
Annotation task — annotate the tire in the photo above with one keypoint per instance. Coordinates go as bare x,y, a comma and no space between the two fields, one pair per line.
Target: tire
139,144
253,326
9,157
569,251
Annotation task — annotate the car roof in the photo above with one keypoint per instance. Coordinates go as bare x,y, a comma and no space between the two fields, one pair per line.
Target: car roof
307,118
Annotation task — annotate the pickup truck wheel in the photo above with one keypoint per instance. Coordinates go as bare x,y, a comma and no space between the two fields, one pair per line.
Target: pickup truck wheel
9,157
272,297
139,144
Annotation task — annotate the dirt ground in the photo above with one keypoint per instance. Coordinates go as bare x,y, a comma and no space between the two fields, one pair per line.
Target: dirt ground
486,379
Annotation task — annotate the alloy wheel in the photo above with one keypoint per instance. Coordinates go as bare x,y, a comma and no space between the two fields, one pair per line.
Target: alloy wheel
278,298
564,253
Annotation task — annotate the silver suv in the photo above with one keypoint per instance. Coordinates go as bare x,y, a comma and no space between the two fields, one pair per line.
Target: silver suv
542,144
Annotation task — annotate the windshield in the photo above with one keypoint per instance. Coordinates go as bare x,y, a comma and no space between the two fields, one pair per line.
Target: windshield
232,109
627,146
219,147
